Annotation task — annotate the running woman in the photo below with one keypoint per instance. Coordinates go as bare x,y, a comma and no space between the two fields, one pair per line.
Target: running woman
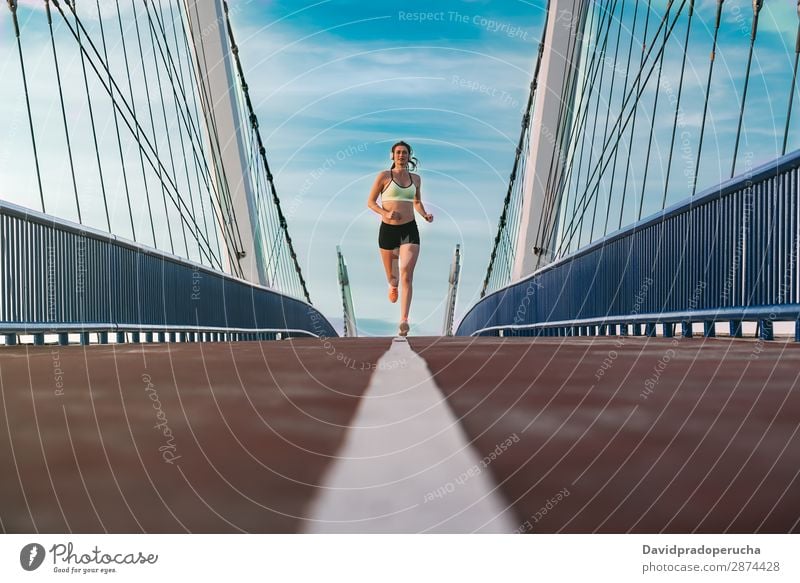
401,193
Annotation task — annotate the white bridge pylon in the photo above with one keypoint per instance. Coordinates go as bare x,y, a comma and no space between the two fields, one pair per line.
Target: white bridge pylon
224,135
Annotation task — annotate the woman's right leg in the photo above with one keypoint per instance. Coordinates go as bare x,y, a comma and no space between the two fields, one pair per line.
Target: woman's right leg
389,260
389,257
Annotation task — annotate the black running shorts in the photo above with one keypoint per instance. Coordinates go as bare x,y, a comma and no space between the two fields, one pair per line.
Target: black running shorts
392,236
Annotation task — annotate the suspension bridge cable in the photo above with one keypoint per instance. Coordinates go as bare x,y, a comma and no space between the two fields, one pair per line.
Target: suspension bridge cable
91,118
633,123
677,104
584,201
757,4
116,127
609,13
565,113
201,170
133,112
712,59
180,117
153,42
597,66
153,127
794,83
513,224
12,5
605,124
554,193
556,172
554,198
605,127
200,166
200,161
212,187
263,210
502,222
133,125
601,168
653,123
63,110
178,110
263,153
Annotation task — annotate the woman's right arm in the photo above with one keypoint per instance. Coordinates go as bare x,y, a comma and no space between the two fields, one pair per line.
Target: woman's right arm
372,200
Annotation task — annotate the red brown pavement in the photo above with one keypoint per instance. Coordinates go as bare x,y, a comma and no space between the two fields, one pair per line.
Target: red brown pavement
246,430
583,435
632,434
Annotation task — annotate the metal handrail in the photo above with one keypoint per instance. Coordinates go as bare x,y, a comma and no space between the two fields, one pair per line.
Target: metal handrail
60,277
734,247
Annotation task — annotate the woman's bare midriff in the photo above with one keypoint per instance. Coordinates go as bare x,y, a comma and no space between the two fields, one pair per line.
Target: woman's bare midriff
403,207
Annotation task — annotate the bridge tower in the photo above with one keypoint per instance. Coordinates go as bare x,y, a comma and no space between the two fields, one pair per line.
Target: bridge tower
350,325
553,90
225,135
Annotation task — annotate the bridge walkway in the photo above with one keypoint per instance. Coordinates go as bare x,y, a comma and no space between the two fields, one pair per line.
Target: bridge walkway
614,434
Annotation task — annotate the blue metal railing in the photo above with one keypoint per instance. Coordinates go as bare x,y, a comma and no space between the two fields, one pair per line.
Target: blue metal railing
58,277
729,254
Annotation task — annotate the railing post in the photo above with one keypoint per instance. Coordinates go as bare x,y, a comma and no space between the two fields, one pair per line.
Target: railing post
765,327
63,339
708,329
11,339
669,329
736,328
686,329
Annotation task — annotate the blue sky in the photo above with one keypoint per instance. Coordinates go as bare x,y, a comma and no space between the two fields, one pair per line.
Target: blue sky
335,83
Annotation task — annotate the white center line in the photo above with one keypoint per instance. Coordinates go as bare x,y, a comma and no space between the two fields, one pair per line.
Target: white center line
406,464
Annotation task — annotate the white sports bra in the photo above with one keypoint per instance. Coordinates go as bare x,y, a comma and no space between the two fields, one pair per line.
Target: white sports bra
395,192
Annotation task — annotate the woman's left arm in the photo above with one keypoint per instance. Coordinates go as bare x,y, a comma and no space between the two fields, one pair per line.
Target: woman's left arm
418,199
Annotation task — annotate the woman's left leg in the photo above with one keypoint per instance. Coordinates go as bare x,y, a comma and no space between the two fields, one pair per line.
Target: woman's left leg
408,260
